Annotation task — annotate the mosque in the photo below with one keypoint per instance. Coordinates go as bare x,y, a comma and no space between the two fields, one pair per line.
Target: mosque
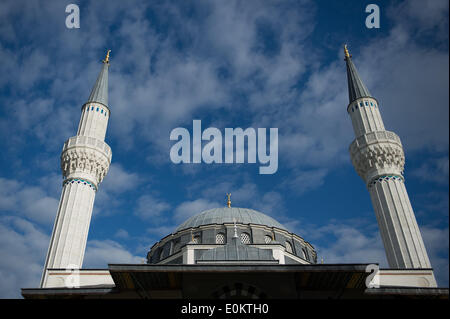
230,252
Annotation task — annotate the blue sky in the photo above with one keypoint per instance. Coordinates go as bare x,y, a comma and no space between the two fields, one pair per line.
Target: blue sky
230,64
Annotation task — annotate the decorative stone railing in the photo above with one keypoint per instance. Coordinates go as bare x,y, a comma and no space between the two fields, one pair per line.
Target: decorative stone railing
377,153
375,137
89,142
85,157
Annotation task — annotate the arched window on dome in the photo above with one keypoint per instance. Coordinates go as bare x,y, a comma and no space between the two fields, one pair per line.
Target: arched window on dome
161,254
305,253
289,247
245,238
220,238
176,247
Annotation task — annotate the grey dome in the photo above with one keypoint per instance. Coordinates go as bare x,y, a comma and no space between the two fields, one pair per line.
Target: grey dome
227,215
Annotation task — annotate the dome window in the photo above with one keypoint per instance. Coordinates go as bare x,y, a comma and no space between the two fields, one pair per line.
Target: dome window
161,254
220,238
245,238
288,247
267,239
305,253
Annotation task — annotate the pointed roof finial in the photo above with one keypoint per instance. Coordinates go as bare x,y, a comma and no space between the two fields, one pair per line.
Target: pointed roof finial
106,60
356,87
229,200
347,55
99,92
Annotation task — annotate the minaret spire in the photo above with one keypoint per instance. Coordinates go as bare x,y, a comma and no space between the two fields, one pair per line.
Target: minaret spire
356,87
99,92
85,161
379,160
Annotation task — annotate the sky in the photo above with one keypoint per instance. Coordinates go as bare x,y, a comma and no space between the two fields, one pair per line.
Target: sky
260,64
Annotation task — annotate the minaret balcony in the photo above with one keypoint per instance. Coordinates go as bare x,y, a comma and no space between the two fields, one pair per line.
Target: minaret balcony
377,153
85,157
375,137
90,142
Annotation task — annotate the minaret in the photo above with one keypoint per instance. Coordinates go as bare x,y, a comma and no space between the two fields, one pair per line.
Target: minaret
85,161
378,158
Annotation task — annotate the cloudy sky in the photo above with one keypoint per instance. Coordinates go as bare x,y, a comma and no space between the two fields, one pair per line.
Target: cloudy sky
257,64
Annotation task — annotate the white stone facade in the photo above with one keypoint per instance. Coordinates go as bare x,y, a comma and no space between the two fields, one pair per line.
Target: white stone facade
379,160
365,116
74,278
85,161
82,278
94,120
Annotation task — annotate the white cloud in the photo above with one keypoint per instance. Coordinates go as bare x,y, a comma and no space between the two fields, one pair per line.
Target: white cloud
30,201
216,190
150,207
122,234
434,202
22,249
351,245
306,180
314,126
244,193
118,180
100,253
359,241
437,243
424,16
434,170
161,231
159,89
190,208
271,203
347,241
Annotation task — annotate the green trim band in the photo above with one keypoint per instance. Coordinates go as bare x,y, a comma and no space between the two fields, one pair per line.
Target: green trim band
80,180
382,178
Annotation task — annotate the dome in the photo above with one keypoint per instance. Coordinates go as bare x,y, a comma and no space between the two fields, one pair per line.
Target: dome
228,215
